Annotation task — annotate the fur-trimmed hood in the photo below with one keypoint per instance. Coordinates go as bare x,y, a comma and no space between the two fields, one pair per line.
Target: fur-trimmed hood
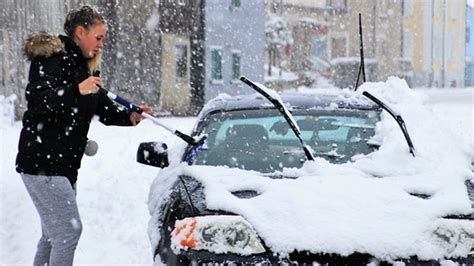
42,44
45,45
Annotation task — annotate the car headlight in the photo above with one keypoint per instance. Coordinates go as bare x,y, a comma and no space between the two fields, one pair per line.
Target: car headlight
217,234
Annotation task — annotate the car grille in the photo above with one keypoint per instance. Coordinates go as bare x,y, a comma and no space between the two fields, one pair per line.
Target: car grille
303,258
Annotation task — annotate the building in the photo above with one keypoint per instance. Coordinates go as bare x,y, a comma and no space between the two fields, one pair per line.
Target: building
173,55
433,42
132,52
469,73
206,47
18,19
178,22
234,45
327,42
131,55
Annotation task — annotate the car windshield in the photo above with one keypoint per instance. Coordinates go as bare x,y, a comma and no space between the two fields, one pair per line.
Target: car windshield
261,140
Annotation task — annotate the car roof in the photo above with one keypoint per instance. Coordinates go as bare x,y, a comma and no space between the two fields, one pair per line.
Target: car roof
292,101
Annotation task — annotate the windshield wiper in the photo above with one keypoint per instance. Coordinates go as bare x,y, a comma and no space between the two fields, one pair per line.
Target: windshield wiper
398,118
282,109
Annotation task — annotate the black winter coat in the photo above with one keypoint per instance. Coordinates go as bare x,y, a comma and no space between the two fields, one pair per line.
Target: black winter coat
57,118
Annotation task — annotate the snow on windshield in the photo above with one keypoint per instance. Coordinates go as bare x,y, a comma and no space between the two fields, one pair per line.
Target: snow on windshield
369,205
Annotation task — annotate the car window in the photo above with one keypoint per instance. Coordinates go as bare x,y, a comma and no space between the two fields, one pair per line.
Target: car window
261,140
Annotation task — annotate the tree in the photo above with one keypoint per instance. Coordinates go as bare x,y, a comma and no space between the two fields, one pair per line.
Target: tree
278,37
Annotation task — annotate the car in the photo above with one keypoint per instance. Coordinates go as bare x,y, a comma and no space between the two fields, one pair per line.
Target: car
297,178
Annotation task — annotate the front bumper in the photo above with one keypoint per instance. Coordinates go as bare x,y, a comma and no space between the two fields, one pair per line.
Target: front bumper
304,258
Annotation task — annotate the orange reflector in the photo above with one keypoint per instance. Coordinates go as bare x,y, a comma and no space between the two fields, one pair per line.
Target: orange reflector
184,232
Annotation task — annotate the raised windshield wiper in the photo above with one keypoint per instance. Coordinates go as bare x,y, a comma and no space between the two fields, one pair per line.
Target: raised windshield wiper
397,118
282,109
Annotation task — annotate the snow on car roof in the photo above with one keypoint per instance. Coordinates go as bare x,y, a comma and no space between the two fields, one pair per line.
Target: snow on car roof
369,205
343,98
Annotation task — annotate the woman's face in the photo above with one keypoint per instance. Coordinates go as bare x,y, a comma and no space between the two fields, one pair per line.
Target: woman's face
92,40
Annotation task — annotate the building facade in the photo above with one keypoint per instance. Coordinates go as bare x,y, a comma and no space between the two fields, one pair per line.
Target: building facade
131,55
326,36
234,45
177,20
18,19
173,55
469,72
434,42
206,46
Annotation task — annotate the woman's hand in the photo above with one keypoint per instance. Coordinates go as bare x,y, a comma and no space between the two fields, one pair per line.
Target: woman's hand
135,118
90,85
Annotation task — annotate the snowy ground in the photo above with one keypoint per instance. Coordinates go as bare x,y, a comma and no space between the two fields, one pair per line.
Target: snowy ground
112,197
113,188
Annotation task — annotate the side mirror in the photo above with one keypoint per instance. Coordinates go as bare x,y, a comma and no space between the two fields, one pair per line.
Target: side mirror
153,154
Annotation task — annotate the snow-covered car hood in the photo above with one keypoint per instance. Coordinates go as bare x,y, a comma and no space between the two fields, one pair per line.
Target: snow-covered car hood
342,211
366,206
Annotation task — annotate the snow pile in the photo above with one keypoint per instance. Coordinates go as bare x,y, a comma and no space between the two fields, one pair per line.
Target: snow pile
7,110
112,197
372,205
279,74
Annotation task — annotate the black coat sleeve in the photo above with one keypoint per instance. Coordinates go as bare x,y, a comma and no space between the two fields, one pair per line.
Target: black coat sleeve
110,114
48,91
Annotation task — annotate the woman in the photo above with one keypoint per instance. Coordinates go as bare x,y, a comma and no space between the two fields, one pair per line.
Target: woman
62,98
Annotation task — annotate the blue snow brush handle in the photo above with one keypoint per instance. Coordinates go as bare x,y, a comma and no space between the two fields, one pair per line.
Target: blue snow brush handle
135,108
131,106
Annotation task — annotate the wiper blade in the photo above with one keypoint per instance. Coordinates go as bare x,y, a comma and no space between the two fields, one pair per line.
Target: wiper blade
398,118
282,109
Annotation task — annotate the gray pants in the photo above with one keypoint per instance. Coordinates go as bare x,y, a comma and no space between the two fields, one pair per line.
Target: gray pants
55,201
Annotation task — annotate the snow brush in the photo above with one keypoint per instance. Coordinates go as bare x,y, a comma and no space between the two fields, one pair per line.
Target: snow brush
137,109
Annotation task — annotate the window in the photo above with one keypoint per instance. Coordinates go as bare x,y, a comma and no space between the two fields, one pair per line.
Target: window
338,47
468,34
3,52
452,54
1,58
235,3
407,45
216,63
235,65
437,46
181,62
453,6
337,5
319,52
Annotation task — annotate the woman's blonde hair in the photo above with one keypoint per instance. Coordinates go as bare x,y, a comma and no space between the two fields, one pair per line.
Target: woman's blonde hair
85,16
